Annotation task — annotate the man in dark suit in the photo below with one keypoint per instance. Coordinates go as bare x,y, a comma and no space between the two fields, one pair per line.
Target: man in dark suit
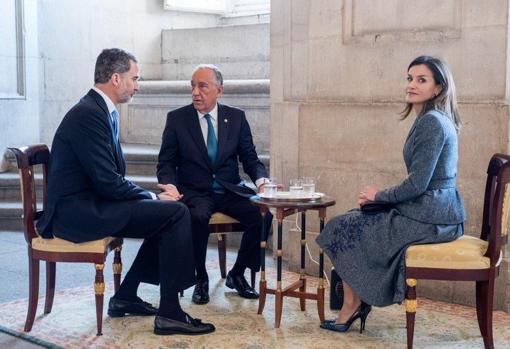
199,160
88,198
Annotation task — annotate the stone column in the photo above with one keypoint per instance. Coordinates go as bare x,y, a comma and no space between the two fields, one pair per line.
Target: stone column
338,72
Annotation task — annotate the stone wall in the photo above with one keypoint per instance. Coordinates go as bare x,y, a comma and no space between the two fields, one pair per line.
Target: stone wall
63,39
143,120
74,32
338,73
240,51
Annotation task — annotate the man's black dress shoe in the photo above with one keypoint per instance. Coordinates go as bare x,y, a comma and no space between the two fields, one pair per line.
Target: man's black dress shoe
120,307
241,285
166,326
201,292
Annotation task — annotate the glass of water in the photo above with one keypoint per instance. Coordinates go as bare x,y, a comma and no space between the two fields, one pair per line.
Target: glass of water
308,186
296,187
270,188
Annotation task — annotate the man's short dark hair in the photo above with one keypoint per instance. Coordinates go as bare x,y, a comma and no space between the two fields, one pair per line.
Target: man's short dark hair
110,61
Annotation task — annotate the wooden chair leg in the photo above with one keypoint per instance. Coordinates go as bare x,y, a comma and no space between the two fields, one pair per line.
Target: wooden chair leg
262,297
99,291
222,254
278,308
411,304
50,286
117,268
33,293
484,305
320,303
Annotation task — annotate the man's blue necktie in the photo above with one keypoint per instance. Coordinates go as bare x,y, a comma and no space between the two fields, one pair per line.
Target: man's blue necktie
212,150
114,116
115,126
212,142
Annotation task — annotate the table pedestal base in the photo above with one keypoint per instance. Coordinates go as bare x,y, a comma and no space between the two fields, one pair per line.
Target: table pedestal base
298,288
291,291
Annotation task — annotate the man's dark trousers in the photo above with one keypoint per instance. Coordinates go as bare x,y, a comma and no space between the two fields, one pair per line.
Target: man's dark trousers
165,256
238,207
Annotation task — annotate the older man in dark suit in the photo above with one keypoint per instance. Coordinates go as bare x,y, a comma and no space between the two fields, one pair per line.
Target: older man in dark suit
202,143
88,198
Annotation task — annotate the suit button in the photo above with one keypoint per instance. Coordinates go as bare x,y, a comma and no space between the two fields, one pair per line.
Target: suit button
213,176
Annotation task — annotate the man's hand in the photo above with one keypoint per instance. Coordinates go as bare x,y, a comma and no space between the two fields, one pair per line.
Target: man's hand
367,194
260,189
169,192
165,196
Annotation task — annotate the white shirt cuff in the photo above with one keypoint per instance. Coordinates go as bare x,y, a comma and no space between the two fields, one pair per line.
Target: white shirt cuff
154,196
261,181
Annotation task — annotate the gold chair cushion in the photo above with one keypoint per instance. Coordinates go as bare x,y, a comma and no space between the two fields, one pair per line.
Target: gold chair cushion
220,218
60,245
464,253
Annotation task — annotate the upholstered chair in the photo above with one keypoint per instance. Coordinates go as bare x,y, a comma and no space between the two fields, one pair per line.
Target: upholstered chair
56,250
469,258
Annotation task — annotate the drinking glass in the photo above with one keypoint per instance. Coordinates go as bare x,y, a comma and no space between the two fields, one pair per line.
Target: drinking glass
270,188
308,186
296,187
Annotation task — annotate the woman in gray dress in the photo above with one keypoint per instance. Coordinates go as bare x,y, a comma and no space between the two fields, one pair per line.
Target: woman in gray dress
368,249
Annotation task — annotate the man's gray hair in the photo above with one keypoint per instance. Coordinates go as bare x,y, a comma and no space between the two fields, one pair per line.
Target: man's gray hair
111,61
215,69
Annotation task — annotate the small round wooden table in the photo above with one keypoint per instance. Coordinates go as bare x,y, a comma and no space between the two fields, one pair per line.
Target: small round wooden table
297,289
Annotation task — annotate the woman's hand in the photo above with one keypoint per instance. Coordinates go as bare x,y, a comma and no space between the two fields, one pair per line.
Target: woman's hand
367,194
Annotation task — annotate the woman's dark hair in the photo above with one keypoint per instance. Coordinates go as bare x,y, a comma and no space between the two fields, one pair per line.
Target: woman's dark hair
446,99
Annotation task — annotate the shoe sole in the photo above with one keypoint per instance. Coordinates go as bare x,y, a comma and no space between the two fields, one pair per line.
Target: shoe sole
114,313
174,332
200,302
231,286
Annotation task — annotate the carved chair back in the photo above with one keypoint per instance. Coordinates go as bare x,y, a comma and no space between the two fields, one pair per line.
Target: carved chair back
27,158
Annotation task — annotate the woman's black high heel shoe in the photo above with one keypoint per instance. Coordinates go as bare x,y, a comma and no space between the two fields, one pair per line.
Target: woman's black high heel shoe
361,312
364,311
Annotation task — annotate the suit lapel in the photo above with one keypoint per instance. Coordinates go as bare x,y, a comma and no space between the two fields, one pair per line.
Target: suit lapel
196,133
99,100
223,128
117,151
411,131
121,162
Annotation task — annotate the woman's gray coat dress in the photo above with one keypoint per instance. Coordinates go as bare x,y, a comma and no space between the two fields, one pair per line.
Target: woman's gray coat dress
368,250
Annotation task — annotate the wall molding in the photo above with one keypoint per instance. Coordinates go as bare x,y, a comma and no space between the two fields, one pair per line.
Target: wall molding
19,92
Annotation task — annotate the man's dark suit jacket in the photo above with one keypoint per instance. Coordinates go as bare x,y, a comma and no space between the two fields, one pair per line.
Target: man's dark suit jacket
88,197
183,159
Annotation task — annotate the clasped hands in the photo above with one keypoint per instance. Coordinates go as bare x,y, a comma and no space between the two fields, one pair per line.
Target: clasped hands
169,192
367,194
